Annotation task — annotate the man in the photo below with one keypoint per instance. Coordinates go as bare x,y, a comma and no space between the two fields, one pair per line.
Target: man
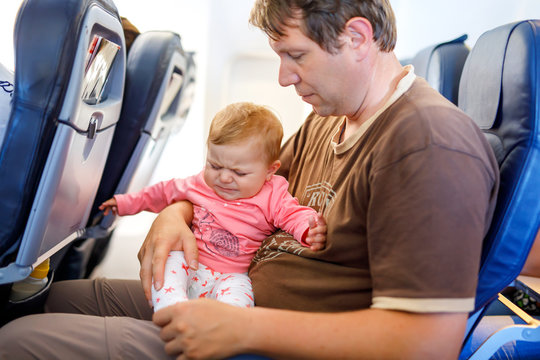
408,186
406,182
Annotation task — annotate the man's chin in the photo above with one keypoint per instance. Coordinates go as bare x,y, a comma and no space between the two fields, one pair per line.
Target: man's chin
321,111
315,109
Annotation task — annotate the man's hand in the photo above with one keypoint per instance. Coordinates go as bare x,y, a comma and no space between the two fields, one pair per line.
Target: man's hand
208,329
202,329
170,231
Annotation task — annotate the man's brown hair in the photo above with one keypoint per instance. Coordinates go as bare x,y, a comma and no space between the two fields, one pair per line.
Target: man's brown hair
323,21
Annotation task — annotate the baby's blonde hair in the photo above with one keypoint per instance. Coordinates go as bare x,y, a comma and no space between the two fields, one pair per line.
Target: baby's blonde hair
240,121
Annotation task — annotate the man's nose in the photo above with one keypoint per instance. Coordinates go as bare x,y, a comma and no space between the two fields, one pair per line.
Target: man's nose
287,76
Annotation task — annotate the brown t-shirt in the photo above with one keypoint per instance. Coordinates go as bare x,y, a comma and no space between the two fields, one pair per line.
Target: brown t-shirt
407,205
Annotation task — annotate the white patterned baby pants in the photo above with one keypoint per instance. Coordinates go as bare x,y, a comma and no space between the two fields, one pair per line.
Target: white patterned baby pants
182,283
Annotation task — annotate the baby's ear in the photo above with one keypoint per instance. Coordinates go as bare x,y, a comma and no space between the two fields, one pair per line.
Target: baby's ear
274,166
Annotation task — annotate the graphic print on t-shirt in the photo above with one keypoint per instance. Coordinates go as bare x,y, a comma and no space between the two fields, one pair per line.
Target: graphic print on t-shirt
216,240
319,196
279,243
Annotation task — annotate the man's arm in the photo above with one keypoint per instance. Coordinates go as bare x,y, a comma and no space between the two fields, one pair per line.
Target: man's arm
206,328
169,231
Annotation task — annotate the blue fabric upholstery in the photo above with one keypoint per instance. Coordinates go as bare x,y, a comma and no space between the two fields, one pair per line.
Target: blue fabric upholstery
498,317
499,90
441,66
153,57
46,147
188,87
159,84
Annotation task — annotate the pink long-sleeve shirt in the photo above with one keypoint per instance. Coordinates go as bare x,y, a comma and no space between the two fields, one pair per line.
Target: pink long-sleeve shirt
228,232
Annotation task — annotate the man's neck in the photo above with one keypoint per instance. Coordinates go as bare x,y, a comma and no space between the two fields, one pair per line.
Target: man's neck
385,76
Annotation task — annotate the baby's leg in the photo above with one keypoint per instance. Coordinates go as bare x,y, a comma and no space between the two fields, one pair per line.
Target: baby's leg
174,284
234,289
201,282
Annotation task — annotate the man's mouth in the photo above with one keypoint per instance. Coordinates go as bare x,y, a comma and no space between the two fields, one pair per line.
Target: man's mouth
305,95
306,98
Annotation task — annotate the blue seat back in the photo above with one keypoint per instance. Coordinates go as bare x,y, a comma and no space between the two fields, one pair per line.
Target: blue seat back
157,70
441,66
499,90
188,88
56,142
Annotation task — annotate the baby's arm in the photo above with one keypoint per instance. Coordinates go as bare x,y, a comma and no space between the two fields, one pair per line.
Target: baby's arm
291,217
108,206
316,234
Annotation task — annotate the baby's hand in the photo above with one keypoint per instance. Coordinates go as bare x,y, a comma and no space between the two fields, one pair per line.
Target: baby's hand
316,236
108,206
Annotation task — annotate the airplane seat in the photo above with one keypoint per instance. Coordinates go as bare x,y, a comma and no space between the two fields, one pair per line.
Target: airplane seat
441,65
188,90
159,76
499,90
69,81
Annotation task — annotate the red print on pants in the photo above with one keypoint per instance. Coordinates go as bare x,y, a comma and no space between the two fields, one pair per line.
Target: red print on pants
225,291
185,267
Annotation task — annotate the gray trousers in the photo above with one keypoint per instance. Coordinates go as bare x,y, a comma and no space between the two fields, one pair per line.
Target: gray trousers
87,319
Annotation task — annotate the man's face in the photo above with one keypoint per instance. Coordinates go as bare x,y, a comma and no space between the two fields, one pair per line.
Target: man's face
320,78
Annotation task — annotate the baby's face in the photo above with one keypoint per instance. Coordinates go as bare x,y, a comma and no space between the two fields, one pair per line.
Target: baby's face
236,171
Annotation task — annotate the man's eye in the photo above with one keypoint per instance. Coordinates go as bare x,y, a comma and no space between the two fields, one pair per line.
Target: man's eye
295,56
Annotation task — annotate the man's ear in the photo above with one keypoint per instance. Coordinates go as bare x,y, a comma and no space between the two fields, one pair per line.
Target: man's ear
359,35
274,166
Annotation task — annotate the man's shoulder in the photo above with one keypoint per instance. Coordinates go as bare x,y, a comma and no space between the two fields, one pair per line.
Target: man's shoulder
423,119
426,103
424,115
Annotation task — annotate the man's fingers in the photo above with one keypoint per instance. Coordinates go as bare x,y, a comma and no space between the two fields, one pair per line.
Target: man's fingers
162,317
191,253
167,233
159,259
146,276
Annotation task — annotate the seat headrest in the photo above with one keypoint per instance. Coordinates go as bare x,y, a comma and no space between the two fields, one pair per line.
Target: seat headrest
497,53
441,65
499,91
